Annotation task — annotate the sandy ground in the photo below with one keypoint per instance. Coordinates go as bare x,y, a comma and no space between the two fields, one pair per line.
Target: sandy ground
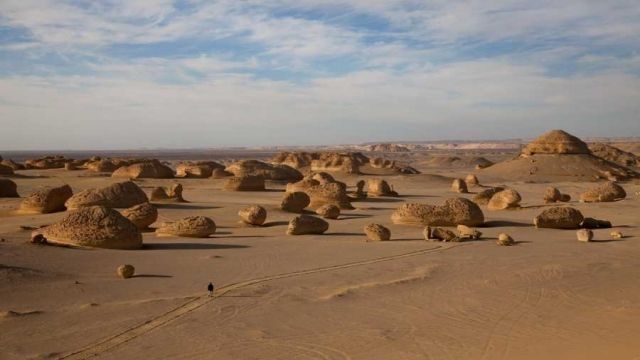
333,296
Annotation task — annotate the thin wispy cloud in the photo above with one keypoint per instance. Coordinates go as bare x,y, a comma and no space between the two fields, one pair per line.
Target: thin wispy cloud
114,74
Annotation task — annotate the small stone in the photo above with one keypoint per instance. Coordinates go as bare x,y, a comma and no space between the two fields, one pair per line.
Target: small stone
126,271
616,235
505,240
584,235
253,215
442,234
465,232
377,232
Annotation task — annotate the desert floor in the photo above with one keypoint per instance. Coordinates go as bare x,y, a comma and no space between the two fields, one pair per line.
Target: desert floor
334,296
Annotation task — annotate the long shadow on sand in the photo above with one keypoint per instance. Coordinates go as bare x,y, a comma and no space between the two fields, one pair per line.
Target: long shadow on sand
344,234
505,223
275,223
152,276
379,200
191,246
354,216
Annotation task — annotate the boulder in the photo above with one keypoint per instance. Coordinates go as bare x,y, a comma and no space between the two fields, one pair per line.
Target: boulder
606,192
379,187
142,215
119,195
483,197
191,226
584,235
47,200
552,195
329,193
465,232
125,271
441,234
505,199
505,240
471,180
306,224
171,193
5,170
265,170
459,186
245,183
199,169
453,212
103,165
556,142
302,185
295,202
8,188
152,169
377,232
253,215
328,211
93,226
559,217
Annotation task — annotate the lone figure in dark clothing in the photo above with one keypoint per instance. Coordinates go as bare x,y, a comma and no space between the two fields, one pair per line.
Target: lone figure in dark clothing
210,289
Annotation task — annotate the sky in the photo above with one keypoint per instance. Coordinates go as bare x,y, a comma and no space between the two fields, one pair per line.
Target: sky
122,74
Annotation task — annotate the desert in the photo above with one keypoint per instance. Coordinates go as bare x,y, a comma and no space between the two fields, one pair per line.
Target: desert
410,273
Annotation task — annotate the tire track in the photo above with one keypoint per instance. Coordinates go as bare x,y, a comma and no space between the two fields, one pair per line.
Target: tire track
134,332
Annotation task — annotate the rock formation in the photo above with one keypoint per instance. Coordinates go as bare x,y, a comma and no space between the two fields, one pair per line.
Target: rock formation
377,232
453,212
119,195
47,200
295,202
93,226
559,217
306,224
505,199
152,169
483,197
379,187
171,193
191,226
328,211
245,183
253,215
199,169
8,189
606,192
266,170
142,215
329,193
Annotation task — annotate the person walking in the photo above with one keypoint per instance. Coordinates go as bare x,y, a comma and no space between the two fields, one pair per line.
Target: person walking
210,289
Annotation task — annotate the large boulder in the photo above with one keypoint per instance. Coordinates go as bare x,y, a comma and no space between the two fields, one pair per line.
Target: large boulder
94,226
171,193
142,215
119,195
245,183
559,217
453,212
47,200
606,192
379,187
253,215
192,226
483,197
377,232
200,169
505,199
8,189
266,170
152,169
615,155
295,202
329,193
556,142
306,224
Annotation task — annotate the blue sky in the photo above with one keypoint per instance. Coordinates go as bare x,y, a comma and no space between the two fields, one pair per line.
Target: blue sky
160,73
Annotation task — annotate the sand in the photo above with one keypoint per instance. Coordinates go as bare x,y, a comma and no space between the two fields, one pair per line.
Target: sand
332,296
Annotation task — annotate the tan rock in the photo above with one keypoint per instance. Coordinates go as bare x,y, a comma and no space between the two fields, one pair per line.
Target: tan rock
253,215
465,232
142,215
459,186
505,199
328,211
584,235
5,170
616,235
295,202
245,183
377,232
471,180
171,193
483,197
47,200
379,187
453,212
265,170
329,193
220,174
556,142
126,271
152,169
119,195
606,192
191,226
306,224
198,170
559,217
93,226
442,234
505,240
